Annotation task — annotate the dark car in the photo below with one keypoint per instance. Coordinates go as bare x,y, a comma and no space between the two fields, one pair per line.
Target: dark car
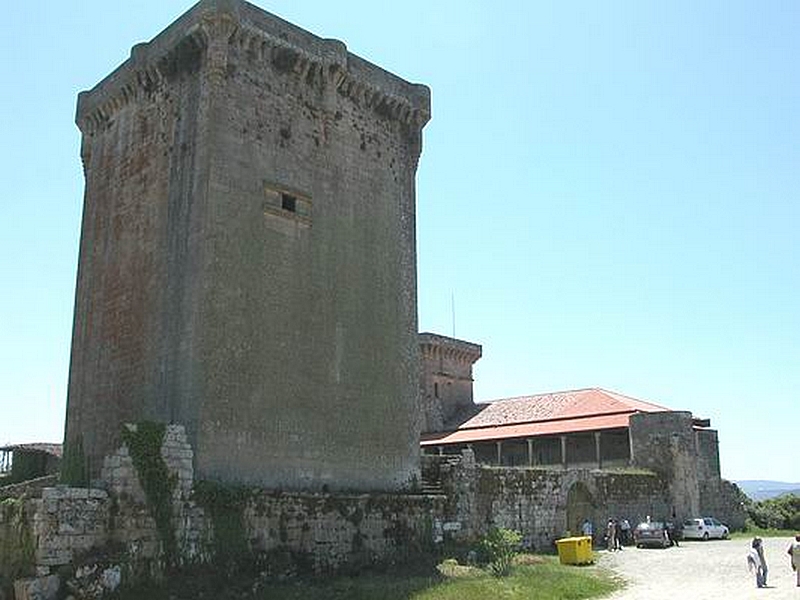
653,533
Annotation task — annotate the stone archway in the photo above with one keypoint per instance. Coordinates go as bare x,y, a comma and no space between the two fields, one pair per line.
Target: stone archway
580,506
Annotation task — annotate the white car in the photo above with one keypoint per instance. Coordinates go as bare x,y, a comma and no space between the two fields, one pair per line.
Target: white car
704,528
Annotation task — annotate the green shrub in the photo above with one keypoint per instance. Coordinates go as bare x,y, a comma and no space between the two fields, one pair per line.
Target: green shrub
782,512
144,442
74,466
500,547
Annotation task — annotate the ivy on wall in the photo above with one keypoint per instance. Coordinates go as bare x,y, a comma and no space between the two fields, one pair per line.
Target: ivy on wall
16,541
144,441
225,505
74,466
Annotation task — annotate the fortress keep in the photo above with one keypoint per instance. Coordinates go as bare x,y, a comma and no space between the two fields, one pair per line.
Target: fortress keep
247,262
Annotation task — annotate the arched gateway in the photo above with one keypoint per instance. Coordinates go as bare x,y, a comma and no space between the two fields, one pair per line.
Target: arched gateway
580,506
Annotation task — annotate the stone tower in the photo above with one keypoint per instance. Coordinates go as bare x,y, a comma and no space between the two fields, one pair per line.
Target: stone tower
247,262
445,379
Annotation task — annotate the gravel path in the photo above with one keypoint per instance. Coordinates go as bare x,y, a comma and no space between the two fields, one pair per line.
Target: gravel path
715,570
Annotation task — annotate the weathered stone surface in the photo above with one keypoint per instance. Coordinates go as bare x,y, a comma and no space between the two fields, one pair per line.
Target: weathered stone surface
665,443
37,588
445,378
542,504
248,261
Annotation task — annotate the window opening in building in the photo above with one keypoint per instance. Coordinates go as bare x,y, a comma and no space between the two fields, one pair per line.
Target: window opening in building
289,202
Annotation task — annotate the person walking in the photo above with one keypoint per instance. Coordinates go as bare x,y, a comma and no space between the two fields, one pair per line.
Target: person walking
674,533
617,536
756,561
794,552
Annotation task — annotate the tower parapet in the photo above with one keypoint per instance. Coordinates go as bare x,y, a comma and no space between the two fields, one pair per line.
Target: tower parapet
446,378
325,63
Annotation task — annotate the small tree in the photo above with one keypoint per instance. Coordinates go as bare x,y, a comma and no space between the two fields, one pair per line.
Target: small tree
500,547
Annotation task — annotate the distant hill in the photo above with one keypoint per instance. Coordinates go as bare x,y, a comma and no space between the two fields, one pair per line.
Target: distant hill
759,489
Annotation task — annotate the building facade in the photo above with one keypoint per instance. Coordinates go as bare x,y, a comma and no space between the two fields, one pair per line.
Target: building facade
587,430
248,262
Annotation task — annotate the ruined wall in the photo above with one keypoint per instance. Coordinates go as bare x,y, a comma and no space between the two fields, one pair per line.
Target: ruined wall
664,442
543,504
248,259
707,444
718,497
725,501
333,532
96,539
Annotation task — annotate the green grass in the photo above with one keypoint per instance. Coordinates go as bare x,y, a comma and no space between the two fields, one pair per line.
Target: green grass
752,532
541,578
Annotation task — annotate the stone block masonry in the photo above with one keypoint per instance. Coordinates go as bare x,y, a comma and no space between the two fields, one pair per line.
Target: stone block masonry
248,255
109,536
106,537
543,504
69,522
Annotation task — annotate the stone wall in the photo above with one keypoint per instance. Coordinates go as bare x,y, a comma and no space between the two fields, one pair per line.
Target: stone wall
17,544
69,522
445,379
707,443
725,501
109,536
332,532
245,176
543,504
29,488
105,537
665,443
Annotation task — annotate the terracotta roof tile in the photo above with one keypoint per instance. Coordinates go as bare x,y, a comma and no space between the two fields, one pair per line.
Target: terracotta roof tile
553,406
525,430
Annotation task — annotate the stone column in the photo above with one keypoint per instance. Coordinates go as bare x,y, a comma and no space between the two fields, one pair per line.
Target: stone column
564,451
530,452
597,450
499,453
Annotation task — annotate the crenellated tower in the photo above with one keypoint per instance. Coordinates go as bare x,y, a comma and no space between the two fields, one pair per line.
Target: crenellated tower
248,262
446,379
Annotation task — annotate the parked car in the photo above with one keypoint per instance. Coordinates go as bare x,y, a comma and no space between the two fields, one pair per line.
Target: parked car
704,528
653,533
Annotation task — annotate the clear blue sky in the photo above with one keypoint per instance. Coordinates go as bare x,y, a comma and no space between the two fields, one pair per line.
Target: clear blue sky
610,191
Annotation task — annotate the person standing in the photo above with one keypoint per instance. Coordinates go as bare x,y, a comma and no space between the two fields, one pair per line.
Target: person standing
794,553
756,561
611,535
586,528
625,530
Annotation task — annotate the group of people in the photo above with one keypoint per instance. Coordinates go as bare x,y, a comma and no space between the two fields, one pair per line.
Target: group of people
617,533
757,562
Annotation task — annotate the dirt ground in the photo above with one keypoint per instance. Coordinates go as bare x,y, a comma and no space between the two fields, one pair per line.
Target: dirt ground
714,570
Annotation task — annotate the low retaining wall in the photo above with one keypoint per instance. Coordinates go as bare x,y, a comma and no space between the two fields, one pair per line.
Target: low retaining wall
540,502
725,501
332,532
103,537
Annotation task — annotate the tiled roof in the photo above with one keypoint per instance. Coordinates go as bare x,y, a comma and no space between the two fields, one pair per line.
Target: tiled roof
53,449
558,405
590,409
526,430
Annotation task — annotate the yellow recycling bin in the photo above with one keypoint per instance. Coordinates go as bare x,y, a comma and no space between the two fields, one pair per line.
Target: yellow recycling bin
575,550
